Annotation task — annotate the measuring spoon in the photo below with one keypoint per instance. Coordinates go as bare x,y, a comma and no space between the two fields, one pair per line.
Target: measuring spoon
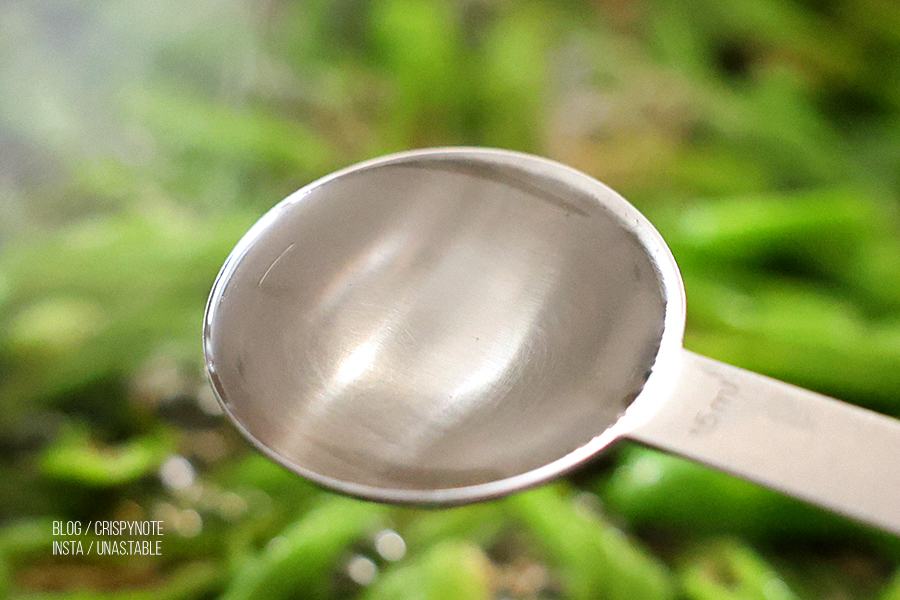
452,325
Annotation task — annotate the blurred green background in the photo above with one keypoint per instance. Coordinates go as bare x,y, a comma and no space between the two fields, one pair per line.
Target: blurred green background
139,140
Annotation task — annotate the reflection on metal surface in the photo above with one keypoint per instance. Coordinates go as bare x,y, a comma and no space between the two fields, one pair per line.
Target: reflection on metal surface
435,320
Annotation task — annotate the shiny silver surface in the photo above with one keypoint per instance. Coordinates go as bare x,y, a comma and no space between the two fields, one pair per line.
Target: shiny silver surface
452,325
439,326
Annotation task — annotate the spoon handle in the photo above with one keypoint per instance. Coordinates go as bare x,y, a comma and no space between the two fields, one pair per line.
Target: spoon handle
838,456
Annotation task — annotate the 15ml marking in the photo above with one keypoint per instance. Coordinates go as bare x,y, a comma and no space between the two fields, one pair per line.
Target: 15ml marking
707,420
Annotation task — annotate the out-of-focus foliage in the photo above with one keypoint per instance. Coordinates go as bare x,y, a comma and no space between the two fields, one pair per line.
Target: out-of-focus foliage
139,140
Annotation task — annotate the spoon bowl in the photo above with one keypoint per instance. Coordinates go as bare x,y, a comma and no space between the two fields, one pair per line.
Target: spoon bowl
441,325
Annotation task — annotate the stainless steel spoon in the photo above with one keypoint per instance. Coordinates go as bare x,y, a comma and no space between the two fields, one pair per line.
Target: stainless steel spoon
452,325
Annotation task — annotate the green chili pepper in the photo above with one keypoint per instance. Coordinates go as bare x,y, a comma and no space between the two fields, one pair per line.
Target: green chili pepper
874,269
26,535
75,457
245,136
298,562
798,333
264,485
18,538
650,488
193,580
450,570
478,523
418,42
513,75
254,471
594,559
653,490
891,591
130,285
843,235
729,570
749,226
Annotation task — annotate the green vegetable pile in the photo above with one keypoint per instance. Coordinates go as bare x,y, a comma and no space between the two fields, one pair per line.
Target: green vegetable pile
139,140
